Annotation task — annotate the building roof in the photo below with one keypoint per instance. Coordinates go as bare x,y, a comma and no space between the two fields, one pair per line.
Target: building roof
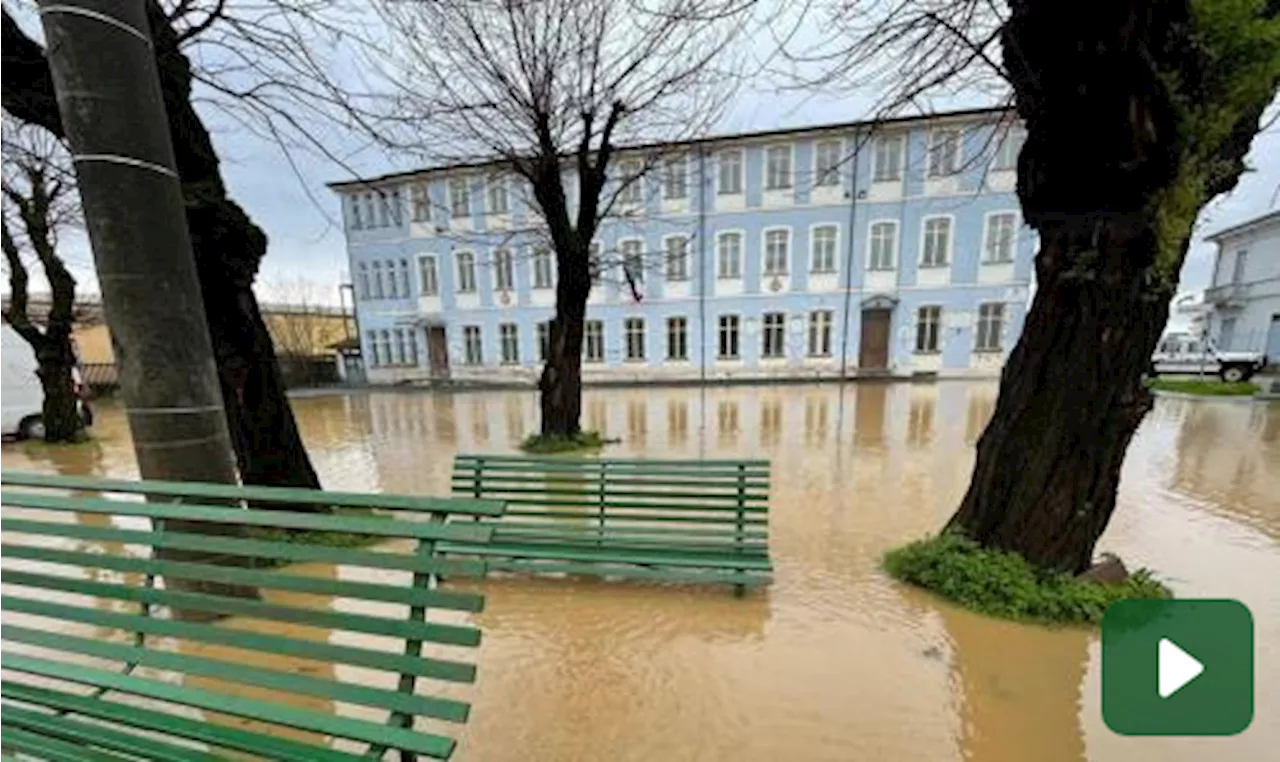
1267,220
785,131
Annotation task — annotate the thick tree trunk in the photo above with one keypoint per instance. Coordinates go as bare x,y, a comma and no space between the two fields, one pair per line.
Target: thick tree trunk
61,409
561,382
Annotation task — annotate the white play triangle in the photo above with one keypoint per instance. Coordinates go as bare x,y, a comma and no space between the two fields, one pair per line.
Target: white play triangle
1175,668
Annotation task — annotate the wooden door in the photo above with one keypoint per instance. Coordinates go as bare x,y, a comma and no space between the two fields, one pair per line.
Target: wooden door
873,348
437,351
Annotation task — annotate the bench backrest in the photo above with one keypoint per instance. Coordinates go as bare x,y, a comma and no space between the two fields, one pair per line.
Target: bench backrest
224,597
704,503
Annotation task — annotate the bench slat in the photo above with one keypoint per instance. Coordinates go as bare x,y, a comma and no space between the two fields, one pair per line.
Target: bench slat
258,494
439,669
463,481
75,731
649,558
54,750
268,711
609,494
625,529
436,633
631,505
604,569
686,462
713,518
571,467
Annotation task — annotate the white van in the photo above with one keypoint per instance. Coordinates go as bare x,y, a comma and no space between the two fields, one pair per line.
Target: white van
21,395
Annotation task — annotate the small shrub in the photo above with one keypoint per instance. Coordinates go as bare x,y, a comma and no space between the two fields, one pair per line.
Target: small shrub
543,445
1004,584
1209,387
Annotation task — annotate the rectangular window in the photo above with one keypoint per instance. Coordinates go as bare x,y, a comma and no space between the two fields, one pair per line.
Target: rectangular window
384,341
411,342
593,341
729,255
990,326
472,350
459,197
630,180
677,338
400,349
503,276
509,343
362,284
378,289
928,323
674,180
421,202
728,337
827,163
542,277
677,257
370,211
730,171
404,278
822,245
777,244
633,261
353,203
1009,147
466,272
944,152
997,248
384,210
375,357
633,329
392,288
430,278
544,340
397,204
820,333
936,246
497,194
884,245
888,158
774,336
1238,271
777,174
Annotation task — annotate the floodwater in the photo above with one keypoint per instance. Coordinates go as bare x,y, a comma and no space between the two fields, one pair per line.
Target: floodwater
834,660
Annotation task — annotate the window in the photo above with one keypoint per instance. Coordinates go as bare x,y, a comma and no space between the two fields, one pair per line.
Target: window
502,274
429,276
777,168
729,255
1009,147
393,288
459,197
822,245
384,341
396,205
466,272
411,342
820,333
998,246
370,212
884,245
384,209
375,358
633,260
629,177
1242,260
730,164
677,257
990,326
544,340
677,338
888,159
937,242
471,348
421,202
353,203
944,152
404,278
928,322
509,343
776,249
400,349
728,337
497,194
1226,334
775,329
826,163
378,292
542,267
633,330
593,341
674,181
362,284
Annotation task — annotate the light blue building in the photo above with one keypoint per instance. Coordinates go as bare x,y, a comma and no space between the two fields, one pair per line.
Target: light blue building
887,249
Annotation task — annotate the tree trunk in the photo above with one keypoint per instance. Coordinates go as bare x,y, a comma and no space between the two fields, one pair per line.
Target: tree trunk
61,409
561,382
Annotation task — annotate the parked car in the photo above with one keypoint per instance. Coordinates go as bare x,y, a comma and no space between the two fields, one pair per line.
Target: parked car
21,395
1185,353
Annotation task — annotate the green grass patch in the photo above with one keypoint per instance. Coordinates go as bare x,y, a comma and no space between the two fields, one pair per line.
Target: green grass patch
543,445
1005,585
1208,387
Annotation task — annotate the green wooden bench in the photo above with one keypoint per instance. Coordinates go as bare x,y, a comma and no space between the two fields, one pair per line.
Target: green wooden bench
674,520
128,636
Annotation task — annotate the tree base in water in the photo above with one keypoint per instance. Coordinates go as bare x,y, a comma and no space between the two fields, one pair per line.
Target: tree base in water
1005,585
542,444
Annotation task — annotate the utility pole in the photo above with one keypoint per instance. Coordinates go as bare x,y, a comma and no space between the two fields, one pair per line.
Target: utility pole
104,71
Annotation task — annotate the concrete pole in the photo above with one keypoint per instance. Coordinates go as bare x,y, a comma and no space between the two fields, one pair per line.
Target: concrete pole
108,86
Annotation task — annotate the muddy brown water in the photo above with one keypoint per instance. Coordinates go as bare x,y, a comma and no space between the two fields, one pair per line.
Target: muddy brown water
834,661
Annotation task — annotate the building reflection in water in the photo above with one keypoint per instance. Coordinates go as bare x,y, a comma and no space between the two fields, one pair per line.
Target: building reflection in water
920,417
727,422
677,421
598,416
816,413
770,422
479,420
869,414
637,425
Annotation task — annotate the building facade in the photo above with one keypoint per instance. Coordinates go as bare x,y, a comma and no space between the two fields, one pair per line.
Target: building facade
893,249
1245,293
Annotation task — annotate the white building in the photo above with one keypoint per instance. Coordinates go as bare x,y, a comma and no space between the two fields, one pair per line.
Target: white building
1245,291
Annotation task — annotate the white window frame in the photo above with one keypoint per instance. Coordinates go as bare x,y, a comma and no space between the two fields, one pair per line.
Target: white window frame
897,236
465,183
997,336
371,210
496,189
625,256
504,269
542,335
470,280
958,158
630,181
791,168
669,186
742,245
588,344
820,332
468,333
924,238
1006,159
375,358
628,323
1013,236
379,286
768,324
896,177
427,266
721,328
737,175
818,173
667,258
362,281
764,250
354,221
509,340
397,206
540,254
406,280
922,330
683,334
813,249
384,337
420,201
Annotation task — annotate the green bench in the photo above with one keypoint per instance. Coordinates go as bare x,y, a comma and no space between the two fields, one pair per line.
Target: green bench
671,520
171,629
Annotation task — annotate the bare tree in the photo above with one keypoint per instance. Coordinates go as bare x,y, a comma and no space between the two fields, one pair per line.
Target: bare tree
1137,115
40,201
553,90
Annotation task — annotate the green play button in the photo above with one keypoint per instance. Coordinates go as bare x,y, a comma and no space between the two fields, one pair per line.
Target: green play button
1177,668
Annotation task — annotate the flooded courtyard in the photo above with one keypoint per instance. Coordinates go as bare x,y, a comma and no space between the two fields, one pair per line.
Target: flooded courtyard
834,660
